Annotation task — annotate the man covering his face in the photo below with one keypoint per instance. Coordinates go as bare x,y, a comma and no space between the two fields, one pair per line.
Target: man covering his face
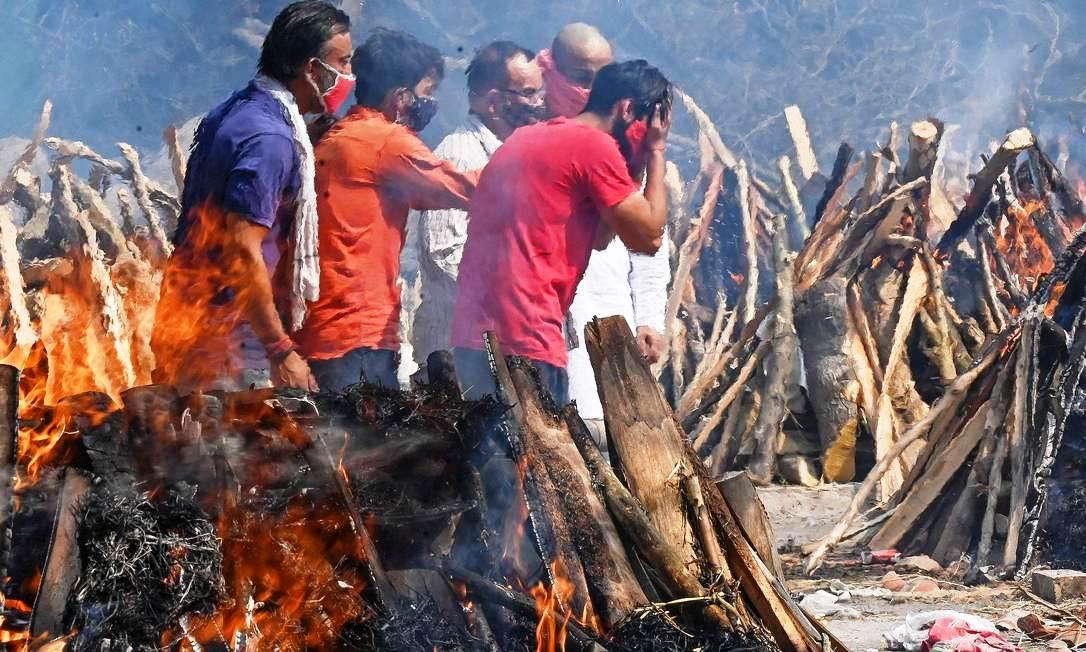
505,92
371,169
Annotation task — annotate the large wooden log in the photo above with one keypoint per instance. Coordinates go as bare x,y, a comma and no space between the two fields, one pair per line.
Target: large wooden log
62,565
821,320
647,440
780,364
652,544
923,149
609,577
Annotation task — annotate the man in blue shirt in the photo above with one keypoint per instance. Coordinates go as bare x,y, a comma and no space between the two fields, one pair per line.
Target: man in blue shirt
245,261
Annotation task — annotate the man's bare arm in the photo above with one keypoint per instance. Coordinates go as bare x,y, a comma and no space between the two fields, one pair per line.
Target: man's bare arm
257,302
639,219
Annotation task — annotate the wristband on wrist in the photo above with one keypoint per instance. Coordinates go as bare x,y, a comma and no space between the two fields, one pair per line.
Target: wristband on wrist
279,350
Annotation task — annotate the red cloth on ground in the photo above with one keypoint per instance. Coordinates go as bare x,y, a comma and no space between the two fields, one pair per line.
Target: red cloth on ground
532,222
955,634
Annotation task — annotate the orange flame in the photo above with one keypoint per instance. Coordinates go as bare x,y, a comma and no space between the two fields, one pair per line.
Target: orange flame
550,634
1021,244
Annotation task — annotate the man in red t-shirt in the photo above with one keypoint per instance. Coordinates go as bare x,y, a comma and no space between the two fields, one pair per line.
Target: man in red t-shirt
550,193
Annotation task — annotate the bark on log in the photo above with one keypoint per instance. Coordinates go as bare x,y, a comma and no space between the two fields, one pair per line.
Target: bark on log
749,298
781,362
831,380
962,522
610,578
797,128
9,442
647,441
1016,142
653,545
1018,438
923,149
62,565
553,535
873,179
750,514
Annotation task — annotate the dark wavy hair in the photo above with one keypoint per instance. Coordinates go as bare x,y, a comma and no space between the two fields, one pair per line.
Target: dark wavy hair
633,80
390,59
299,33
489,69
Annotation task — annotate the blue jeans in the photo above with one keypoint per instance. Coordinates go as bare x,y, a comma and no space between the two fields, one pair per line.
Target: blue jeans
375,366
477,381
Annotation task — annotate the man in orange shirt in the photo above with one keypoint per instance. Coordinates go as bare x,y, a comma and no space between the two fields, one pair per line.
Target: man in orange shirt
371,169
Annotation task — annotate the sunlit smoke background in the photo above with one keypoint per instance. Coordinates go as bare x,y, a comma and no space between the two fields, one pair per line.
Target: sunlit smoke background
123,69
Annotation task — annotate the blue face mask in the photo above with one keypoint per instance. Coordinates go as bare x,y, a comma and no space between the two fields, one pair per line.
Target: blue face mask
420,113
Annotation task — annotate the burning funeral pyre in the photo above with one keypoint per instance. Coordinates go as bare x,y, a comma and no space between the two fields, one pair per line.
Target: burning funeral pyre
853,326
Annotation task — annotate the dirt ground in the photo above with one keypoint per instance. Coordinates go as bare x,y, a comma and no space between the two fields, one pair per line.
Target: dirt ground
800,515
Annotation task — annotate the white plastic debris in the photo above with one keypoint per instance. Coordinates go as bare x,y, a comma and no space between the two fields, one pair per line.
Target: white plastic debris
911,636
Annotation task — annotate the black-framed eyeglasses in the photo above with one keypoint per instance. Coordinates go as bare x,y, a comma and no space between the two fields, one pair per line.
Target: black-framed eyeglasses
527,93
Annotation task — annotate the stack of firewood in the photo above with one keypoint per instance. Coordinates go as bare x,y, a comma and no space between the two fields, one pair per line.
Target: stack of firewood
930,348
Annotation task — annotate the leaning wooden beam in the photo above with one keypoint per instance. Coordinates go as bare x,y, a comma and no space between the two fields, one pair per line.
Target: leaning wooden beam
950,400
689,253
749,299
25,334
143,197
111,303
609,577
653,545
799,217
22,164
706,126
797,128
1018,439
1016,142
837,181
647,441
735,388
940,471
9,444
178,160
781,361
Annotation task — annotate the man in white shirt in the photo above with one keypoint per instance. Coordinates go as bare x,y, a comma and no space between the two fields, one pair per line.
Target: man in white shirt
617,282
505,91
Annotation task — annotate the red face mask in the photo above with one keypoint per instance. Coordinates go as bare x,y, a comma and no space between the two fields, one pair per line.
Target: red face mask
340,90
635,139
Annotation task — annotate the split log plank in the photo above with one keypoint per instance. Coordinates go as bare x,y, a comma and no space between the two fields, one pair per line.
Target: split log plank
750,514
797,128
646,439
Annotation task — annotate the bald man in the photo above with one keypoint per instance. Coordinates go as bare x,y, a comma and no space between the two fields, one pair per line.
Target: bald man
577,53
617,281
